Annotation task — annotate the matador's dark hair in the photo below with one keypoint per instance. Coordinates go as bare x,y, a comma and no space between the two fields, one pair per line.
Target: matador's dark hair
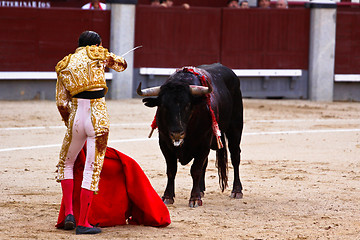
89,38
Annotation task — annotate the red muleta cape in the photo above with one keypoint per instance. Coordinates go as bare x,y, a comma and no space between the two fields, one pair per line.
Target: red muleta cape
125,194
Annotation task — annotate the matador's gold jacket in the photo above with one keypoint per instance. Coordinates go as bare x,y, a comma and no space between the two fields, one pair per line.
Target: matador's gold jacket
81,71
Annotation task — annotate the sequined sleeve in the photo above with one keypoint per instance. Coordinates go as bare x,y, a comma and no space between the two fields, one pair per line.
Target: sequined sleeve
62,100
115,62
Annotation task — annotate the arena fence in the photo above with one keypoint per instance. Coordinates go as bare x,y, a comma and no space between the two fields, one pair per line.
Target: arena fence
268,49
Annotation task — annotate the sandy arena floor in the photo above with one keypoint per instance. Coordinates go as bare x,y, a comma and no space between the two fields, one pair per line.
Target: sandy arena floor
300,170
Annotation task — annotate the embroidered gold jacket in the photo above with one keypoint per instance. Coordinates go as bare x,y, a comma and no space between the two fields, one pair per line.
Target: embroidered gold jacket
81,71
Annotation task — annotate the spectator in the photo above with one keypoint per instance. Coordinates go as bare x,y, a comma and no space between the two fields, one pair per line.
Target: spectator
244,4
264,3
155,3
233,4
282,4
170,3
167,3
95,5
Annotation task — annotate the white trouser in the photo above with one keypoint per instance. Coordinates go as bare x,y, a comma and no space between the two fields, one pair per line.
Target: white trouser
81,129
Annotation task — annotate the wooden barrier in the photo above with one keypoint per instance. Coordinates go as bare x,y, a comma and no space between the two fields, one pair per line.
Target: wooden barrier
347,51
36,39
265,39
175,37
258,44
238,38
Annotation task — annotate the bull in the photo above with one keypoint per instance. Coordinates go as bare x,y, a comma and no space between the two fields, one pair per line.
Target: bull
187,111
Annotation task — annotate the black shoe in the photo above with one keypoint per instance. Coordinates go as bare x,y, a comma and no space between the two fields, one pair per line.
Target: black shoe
87,230
69,222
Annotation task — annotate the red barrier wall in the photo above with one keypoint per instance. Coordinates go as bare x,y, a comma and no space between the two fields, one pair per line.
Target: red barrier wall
36,39
263,38
347,51
176,37
247,39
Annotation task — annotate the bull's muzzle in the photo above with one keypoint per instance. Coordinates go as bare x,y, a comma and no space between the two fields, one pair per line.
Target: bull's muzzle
177,138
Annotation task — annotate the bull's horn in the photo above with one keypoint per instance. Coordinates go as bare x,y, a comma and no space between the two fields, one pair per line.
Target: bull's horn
154,91
200,90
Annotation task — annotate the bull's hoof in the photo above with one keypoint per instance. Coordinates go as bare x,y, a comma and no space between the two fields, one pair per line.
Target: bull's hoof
236,195
168,200
195,203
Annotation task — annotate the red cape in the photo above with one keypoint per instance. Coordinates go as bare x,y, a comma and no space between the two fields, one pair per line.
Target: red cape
125,194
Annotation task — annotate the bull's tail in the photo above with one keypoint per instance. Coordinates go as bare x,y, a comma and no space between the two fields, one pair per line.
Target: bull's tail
222,164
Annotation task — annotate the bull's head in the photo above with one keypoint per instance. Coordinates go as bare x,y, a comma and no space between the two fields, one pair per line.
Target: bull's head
176,103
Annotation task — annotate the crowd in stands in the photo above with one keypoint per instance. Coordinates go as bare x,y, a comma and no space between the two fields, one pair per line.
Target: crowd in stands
166,3
260,4
97,5
230,3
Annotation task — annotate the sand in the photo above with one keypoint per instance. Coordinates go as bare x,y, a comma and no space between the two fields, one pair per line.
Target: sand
300,171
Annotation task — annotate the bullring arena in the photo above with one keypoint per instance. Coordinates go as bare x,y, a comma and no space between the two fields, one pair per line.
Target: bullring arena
300,172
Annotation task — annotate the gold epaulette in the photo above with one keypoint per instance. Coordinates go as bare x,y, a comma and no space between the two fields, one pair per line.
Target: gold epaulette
63,63
96,53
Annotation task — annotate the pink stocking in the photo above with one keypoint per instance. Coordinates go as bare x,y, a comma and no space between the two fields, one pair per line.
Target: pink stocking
86,197
67,186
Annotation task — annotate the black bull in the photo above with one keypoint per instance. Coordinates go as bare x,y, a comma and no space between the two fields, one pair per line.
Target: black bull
185,125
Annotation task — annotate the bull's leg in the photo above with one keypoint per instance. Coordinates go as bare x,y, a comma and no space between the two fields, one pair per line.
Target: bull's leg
233,135
171,170
169,194
202,179
234,138
198,174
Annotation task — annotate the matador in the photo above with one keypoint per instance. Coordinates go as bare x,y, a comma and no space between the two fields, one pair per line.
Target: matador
80,99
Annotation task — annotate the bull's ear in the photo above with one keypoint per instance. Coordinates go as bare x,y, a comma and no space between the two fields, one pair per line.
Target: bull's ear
151,102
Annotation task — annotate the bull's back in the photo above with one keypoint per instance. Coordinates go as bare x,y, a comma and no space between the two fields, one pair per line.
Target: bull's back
227,101
222,75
